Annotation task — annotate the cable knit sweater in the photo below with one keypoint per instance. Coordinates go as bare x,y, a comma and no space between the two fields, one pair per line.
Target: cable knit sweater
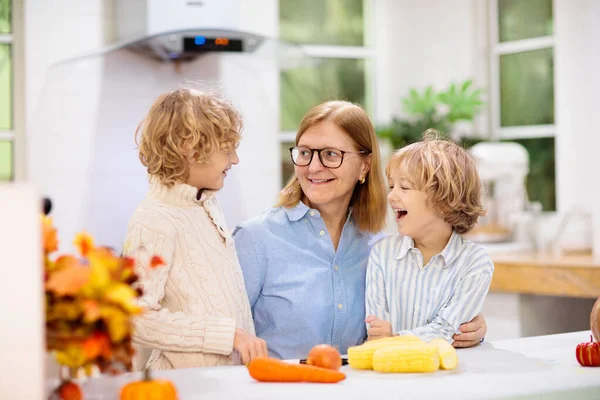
196,301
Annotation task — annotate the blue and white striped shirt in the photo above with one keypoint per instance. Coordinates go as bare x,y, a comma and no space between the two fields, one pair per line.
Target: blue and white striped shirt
427,301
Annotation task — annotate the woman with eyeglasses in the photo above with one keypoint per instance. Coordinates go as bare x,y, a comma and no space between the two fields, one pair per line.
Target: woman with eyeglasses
304,261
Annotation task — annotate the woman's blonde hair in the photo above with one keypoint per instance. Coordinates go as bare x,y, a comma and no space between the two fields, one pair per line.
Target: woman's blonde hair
447,173
185,123
368,200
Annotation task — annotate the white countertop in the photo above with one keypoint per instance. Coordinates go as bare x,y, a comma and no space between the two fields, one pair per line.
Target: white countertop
536,367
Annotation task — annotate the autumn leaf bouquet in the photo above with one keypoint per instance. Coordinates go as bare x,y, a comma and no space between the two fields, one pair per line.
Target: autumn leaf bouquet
90,300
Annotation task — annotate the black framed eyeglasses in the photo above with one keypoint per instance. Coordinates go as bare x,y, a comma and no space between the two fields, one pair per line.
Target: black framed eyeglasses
330,158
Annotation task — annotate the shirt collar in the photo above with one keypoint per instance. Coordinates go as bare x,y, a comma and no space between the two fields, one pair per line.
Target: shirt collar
406,243
300,210
452,249
449,254
297,212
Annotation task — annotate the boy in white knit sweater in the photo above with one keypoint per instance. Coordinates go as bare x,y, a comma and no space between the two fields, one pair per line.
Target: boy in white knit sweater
196,307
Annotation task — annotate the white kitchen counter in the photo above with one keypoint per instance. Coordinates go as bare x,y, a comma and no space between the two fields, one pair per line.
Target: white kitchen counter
542,367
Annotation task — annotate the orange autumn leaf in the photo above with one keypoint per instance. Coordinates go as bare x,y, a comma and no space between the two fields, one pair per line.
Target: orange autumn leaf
97,345
49,236
117,321
156,262
84,243
104,264
104,256
71,356
124,296
66,261
128,263
91,310
68,280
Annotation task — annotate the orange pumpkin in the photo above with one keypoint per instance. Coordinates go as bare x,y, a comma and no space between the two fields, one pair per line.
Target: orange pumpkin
149,389
595,320
588,354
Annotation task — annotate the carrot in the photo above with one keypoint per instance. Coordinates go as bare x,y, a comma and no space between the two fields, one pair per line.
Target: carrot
267,369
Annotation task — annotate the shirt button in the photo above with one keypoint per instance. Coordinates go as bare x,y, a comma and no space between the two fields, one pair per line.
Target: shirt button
312,213
336,346
322,233
417,308
336,267
340,306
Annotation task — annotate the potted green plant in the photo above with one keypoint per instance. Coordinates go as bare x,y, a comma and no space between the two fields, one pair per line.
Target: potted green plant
442,111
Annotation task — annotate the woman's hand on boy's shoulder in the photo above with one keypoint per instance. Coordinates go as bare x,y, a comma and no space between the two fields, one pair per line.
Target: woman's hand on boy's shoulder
472,333
378,328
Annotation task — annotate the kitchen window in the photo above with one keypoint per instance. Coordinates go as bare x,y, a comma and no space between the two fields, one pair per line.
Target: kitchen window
522,87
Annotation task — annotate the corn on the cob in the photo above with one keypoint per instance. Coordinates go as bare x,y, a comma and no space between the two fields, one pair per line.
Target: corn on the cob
448,356
410,357
361,357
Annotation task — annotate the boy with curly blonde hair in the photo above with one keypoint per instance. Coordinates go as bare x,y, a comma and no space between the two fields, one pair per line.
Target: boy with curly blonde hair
427,280
197,311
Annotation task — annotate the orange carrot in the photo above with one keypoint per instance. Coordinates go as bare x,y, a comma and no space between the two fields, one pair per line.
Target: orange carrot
267,369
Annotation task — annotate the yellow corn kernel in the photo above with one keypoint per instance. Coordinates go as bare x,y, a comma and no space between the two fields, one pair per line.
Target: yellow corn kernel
413,357
448,356
361,357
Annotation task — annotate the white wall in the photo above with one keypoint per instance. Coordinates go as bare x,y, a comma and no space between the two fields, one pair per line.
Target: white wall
56,30
252,83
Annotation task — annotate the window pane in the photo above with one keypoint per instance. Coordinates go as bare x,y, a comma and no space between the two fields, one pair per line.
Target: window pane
334,22
5,17
328,79
6,160
541,181
523,19
287,167
5,88
527,88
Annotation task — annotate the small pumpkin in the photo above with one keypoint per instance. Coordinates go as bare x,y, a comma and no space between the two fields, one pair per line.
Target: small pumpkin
588,354
595,320
149,389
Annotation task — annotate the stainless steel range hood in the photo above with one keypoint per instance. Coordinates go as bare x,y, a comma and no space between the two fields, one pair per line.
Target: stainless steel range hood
187,45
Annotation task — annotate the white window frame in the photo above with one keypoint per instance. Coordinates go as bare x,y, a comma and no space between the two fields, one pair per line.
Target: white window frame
366,52
9,135
512,47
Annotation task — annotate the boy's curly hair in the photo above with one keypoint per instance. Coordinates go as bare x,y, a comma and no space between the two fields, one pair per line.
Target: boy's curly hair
184,124
447,173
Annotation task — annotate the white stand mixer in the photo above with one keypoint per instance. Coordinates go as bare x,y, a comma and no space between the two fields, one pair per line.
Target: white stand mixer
510,224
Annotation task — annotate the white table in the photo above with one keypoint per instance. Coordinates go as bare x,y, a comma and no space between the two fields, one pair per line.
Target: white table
542,367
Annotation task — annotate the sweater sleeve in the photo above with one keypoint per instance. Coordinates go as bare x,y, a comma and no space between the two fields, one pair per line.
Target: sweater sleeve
158,327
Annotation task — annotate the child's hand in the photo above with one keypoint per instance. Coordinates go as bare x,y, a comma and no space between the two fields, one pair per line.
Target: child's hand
379,328
249,346
472,333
